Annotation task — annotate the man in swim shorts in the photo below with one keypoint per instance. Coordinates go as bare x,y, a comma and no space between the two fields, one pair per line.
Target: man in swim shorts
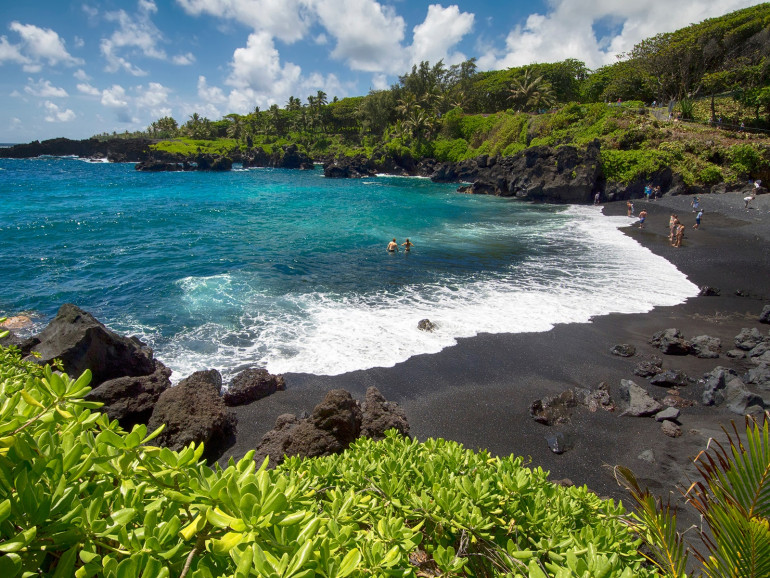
393,246
642,217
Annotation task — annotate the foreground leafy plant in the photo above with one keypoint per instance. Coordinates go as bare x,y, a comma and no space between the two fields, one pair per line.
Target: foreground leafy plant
79,496
733,499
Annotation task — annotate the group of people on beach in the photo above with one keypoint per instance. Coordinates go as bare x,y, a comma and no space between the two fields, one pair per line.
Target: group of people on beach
393,245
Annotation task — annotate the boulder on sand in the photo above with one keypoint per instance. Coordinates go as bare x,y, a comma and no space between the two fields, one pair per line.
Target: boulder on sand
639,402
380,415
252,384
671,342
193,411
131,399
334,424
82,342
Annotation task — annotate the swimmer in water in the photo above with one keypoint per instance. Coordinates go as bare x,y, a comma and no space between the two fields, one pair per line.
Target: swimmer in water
407,244
392,246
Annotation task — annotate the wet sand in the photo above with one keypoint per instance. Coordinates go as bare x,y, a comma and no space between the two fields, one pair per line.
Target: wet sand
479,391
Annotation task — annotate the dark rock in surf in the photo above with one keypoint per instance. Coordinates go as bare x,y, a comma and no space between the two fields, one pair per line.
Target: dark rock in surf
426,325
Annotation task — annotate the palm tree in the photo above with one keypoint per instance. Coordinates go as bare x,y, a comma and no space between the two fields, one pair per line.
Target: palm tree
529,93
321,98
732,498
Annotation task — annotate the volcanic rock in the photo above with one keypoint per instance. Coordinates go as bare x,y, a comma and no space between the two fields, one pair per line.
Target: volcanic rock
82,342
670,378
193,411
250,385
623,350
706,347
380,415
671,342
639,402
131,399
748,339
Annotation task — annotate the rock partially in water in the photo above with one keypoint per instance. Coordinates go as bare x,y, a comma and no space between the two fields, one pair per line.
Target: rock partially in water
426,325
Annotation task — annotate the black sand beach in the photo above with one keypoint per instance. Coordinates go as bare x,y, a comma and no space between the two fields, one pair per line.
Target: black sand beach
479,392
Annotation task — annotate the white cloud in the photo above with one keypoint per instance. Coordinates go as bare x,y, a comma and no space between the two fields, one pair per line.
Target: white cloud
81,75
11,52
114,97
134,34
56,114
441,30
567,30
380,82
86,88
287,20
38,46
183,59
153,96
44,89
257,75
210,94
368,34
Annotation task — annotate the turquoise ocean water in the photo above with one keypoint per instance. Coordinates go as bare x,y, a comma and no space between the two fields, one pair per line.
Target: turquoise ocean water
288,270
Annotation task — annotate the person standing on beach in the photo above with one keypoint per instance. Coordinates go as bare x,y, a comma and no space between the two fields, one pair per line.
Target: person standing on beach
656,193
673,223
679,235
597,196
698,217
642,217
630,207
393,246
695,204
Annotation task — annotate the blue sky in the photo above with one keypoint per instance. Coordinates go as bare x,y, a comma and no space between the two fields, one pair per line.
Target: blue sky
78,68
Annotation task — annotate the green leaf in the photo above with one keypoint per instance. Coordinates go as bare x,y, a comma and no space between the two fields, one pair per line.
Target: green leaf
122,517
5,509
350,562
66,563
10,565
19,541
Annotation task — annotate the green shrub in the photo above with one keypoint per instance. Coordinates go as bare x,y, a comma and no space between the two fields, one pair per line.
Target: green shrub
79,496
710,175
451,150
627,166
744,159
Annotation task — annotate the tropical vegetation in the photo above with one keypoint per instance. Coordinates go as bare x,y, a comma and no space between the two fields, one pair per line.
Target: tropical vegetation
714,75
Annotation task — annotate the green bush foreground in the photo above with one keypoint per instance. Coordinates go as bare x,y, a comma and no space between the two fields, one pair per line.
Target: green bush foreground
79,496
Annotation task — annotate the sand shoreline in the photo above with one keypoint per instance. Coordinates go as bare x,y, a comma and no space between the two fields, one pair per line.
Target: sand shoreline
479,391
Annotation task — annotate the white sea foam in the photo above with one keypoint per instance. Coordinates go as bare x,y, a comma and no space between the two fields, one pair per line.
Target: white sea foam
326,334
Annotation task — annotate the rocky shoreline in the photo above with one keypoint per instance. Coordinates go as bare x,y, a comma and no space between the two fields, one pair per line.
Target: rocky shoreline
542,174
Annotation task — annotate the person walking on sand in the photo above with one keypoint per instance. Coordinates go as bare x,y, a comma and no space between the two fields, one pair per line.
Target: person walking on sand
407,244
695,204
698,217
393,246
642,217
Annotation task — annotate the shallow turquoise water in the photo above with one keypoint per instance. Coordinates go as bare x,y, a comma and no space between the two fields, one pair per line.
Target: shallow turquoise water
288,270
